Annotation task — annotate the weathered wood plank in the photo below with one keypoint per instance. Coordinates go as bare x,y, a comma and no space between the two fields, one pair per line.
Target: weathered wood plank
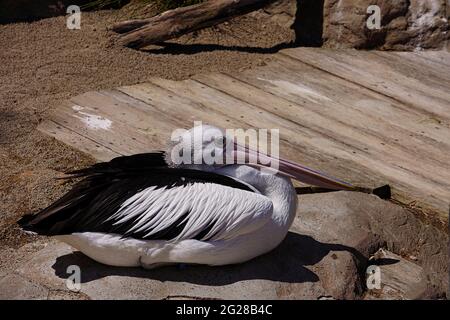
77,141
346,125
431,73
442,56
382,166
115,137
145,117
352,117
374,106
307,116
358,68
185,111
288,131
108,121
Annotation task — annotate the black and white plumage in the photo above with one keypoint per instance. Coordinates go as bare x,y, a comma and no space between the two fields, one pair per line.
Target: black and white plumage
141,211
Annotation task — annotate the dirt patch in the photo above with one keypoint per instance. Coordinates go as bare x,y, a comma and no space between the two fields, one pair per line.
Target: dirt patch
43,63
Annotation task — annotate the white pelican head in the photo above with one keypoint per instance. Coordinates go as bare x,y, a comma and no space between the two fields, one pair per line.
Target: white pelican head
205,147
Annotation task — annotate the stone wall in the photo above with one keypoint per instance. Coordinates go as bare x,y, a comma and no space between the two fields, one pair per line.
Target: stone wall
282,12
405,24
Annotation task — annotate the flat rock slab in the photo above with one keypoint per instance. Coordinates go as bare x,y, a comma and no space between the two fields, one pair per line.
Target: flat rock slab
324,256
14,286
399,278
274,276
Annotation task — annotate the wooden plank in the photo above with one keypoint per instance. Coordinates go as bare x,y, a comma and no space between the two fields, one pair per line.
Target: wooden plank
119,107
236,110
115,137
181,110
352,127
403,182
228,113
442,56
107,121
77,141
371,104
173,100
287,130
185,111
359,69
386,130
377,109
408,64
353,137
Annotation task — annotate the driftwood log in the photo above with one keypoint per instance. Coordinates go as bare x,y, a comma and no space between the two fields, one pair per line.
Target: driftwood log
180,21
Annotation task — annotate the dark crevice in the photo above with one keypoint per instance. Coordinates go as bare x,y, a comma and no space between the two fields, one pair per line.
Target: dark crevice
13,11
179,48
308,25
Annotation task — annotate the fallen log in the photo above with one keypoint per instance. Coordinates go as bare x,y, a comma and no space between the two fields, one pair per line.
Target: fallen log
180,21
128,25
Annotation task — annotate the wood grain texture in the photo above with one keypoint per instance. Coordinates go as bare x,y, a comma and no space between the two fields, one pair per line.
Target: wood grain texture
174,23
361,68
367,117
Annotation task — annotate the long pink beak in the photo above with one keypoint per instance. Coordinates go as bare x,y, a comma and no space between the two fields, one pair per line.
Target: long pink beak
288,168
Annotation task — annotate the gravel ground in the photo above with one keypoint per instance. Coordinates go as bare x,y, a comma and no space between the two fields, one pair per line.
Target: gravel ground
43,63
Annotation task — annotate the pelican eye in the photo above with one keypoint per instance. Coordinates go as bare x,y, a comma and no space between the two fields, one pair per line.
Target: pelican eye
219,141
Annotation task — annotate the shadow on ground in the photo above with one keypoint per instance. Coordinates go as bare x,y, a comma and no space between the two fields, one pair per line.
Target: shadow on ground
178,48
284,264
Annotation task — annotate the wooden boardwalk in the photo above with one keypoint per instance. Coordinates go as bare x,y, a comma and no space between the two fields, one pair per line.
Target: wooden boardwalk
367,117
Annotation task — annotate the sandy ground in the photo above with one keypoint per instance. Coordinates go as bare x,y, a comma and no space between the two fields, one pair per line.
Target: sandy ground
43,63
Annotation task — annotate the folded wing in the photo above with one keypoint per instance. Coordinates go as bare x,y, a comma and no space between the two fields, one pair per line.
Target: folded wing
141,197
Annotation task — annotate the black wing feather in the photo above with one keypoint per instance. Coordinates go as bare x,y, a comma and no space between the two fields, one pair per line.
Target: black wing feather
106,186
136,162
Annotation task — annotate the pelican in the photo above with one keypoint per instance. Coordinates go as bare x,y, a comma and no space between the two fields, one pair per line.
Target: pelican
144,210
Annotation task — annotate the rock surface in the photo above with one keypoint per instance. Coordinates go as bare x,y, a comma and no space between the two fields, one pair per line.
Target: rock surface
16,287
405,24
324,256
399,278
282,12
